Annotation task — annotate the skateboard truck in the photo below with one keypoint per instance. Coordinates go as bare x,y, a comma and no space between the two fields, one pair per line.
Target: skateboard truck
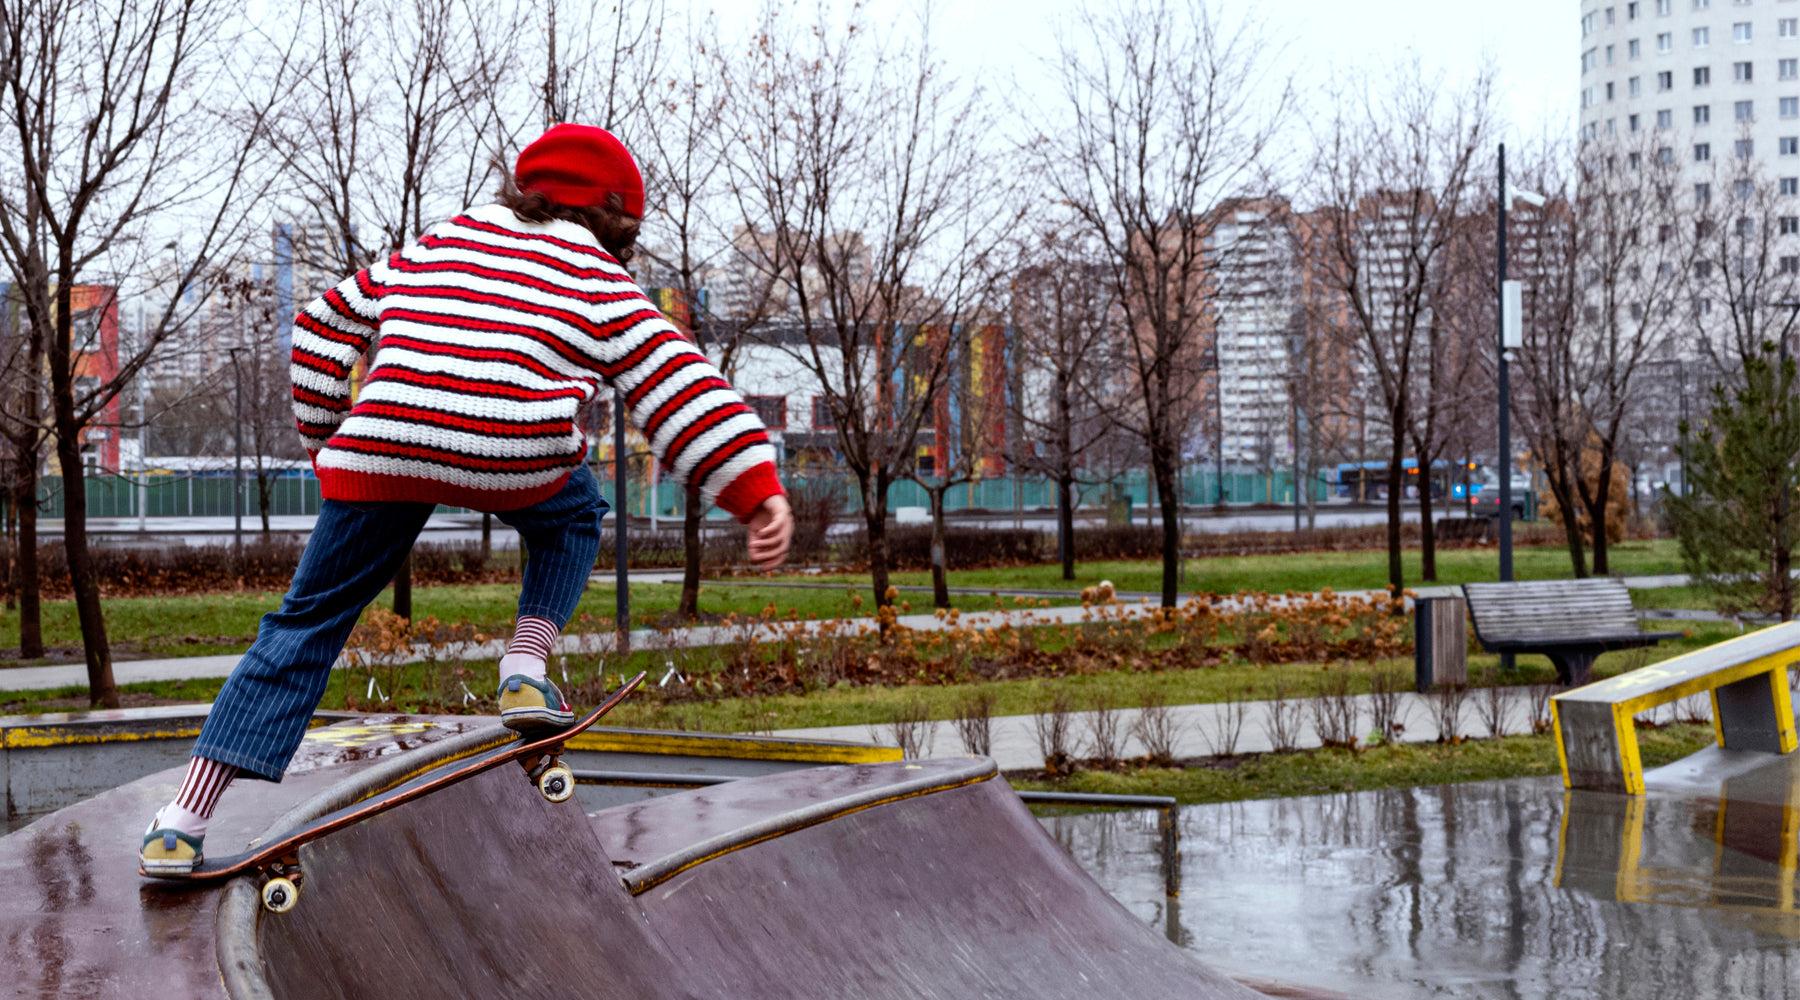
546,771
281,885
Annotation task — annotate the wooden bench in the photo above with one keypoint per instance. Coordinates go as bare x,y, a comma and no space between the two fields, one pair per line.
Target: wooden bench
1752,707
1569,621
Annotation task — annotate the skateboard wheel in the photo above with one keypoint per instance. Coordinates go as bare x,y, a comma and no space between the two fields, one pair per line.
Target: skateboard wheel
557,783
279,895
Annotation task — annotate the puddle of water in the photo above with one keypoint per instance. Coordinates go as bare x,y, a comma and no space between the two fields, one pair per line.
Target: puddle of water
1474,890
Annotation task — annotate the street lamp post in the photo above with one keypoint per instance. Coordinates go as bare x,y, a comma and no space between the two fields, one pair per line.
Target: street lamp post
237,472
1511,336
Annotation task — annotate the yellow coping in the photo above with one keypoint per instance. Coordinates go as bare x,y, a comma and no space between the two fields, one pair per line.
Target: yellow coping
746,747
38,737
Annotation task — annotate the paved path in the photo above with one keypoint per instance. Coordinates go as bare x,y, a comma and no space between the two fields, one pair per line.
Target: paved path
1203,730
190,667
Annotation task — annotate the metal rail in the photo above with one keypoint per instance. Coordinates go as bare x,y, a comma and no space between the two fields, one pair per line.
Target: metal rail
1167,825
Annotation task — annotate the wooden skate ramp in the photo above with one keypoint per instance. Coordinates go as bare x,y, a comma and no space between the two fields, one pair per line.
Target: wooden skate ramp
865,881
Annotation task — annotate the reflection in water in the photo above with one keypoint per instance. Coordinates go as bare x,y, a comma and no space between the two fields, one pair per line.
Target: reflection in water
1475,890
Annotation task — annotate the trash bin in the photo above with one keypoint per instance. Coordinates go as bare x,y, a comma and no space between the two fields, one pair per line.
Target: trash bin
1440,642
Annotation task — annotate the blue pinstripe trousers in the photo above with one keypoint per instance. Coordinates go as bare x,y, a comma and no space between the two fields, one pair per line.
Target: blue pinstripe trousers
261,713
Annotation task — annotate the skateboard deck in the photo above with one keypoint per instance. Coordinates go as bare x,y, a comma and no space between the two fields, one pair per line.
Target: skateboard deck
279,859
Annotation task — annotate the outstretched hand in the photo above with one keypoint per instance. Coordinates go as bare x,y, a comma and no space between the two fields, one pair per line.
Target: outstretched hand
771,527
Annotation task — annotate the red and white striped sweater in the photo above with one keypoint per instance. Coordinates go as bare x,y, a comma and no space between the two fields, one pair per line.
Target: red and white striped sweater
491,334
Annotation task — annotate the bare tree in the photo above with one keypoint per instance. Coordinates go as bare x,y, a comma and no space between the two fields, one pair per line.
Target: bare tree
1163,115
1397,167
115,118
1065,324
968,412
868,219
1604,267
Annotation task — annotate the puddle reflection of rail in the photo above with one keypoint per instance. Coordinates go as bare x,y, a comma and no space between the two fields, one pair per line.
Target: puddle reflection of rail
1166,823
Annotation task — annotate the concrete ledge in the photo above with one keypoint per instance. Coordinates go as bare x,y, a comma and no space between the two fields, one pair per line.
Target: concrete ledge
1746,677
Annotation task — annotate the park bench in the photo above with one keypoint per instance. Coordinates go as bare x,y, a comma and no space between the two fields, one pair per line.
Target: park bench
1752,707
1570,621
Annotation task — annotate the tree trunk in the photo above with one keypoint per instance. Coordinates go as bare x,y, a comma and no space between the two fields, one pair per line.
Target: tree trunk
403,588
1427,530
1597,514
940,578
101,690
1170,498
25,565
875,518
265,485
690,571
1784,572
1065,524
1395,478
487,536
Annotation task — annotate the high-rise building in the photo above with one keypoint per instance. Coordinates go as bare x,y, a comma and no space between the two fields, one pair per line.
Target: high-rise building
1700,82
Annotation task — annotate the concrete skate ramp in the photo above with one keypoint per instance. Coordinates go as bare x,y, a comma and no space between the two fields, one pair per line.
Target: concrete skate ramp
886,880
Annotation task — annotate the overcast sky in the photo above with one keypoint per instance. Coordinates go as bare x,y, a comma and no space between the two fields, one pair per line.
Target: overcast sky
1534,43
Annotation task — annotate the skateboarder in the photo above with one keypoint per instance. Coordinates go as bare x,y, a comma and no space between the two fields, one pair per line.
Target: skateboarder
492,331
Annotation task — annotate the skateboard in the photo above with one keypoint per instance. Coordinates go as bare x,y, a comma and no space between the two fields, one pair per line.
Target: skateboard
277,863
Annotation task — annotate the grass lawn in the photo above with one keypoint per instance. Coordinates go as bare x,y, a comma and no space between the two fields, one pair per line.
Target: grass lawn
1364,570
211,624
1404,765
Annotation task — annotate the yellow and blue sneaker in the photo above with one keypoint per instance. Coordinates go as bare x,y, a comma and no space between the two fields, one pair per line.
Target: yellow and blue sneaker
528,705
168,851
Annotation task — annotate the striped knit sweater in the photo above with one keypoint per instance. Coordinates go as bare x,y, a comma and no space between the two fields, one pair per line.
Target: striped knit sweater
491,334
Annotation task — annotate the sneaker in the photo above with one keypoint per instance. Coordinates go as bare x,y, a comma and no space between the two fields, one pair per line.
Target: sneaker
528,705
168,851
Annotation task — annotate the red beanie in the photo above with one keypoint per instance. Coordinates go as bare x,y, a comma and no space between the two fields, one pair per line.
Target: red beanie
581,165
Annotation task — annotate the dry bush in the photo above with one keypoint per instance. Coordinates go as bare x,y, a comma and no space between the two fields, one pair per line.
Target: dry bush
975,721
1387,686
816,503
1695,710
1283,717
911,727
1105,738
1540,695
1490,704
1334,711
1156,727
1053,724
1228,728
1446,708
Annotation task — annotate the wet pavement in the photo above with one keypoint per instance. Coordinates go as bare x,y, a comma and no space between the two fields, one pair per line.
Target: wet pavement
1510,889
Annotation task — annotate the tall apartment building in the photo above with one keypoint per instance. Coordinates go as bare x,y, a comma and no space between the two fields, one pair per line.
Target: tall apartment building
1720,79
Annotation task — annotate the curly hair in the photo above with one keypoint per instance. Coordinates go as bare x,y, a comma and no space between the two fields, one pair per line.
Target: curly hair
616,231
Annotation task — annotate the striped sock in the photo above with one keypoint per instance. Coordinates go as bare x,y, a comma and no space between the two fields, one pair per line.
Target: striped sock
193,806
529,648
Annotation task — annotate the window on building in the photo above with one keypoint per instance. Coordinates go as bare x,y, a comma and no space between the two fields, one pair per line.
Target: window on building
1702,152
1702,4
1609,90
1703,306
1665,42
1788,69
822,419
1788,27
1633,87
1589,60
1631,125
1740,32
1634,160
1702,76
1744,111
1631,11
1790,224
1609,54
1587,24
1746,228
1703,193
1788,186
1702,114
1702,37
1790,107
771,410
1788,145
1743,189
1743,149
1611,127
1609,17
1665,80
1741,72
1704,228
1663,232
1703,269
1665,156
1662,7
1789,265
